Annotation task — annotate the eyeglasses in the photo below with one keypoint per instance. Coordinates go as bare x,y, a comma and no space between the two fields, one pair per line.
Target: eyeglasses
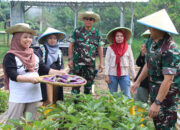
90,19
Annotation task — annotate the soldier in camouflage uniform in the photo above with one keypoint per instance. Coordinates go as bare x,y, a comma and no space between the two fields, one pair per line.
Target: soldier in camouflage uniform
162,67
84,43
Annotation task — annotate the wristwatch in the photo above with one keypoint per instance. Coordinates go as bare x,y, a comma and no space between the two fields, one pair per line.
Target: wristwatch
157,102
70,59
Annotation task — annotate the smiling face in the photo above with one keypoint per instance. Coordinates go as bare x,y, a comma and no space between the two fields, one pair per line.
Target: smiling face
119,37
52,40
26,40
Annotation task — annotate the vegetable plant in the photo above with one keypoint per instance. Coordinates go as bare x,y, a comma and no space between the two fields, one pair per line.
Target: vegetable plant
84,112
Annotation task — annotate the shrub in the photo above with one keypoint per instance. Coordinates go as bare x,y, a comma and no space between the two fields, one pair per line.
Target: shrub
3,101
86,112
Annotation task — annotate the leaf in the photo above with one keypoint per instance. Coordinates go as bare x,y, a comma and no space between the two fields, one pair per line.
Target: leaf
37,124
131,126
15,122
62,107
48,124
97,105
106,126
28,116
68,125
124,126
27,127
71,117
7,127
70,109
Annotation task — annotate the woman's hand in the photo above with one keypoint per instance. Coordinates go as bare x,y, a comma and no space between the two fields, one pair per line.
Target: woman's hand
133,79
57,72
101,67
134,87
63,72
34,79
107,79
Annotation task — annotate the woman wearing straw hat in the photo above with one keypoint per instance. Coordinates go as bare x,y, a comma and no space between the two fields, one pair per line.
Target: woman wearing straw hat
84,43
143,90
119,60
21,67
163,69
53,58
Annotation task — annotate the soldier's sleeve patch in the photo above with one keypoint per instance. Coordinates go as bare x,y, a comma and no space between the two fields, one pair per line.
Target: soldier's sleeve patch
101,43
71,40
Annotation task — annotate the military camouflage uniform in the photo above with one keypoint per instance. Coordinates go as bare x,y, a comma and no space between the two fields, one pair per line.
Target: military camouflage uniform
86,43
163,58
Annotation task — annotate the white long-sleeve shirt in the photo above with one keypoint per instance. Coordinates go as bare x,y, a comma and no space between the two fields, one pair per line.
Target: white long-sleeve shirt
127,63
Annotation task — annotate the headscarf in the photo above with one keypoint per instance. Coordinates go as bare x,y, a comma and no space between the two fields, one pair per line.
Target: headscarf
119,50
26,56
52,51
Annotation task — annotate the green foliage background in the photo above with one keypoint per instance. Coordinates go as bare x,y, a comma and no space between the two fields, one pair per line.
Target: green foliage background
62,18
3,101
108,112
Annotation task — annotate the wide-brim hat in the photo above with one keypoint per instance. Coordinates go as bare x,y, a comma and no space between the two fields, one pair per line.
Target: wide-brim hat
159,20
146,34
111,33
89,14
20,27
49,31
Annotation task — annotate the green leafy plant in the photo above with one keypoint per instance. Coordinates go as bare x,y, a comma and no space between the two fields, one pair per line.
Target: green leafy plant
3,101
80,112
28,124
106,112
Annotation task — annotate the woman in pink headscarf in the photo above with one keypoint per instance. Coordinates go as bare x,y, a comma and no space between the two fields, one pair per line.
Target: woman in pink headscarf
119,60
21,66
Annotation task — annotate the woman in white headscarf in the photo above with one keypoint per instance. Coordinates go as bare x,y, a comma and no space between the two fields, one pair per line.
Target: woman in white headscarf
53,58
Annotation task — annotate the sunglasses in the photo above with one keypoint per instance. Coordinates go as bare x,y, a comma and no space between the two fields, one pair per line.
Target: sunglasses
90,19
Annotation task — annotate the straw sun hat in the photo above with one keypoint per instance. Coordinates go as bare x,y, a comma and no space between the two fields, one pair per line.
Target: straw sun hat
49,31
146,34
89,14
20,27
111,33
159,20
